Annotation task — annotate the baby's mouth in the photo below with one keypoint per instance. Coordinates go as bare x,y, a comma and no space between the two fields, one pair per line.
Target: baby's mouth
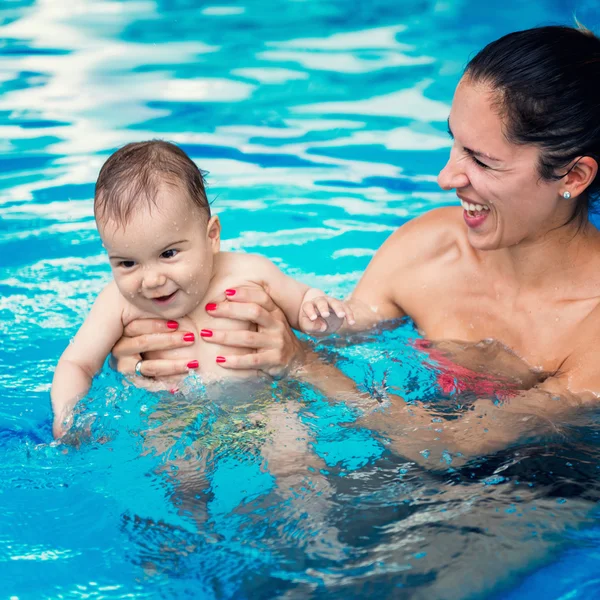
164,299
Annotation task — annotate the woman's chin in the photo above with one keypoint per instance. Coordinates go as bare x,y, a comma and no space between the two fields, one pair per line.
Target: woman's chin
483,242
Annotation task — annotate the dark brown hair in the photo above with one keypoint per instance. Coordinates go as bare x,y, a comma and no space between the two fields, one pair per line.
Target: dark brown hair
134,173
546,84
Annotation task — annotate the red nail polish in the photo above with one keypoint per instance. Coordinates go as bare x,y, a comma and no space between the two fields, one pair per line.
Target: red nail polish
172,324
211,306
220,359
174,390
206,333
189,337
193,364
230,292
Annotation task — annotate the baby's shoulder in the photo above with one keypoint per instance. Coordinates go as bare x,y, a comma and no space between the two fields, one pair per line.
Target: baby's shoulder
245,267
112,297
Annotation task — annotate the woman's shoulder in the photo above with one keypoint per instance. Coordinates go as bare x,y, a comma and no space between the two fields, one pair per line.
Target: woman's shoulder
437,234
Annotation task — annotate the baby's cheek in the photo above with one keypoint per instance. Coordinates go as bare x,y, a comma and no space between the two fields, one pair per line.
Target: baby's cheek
196,286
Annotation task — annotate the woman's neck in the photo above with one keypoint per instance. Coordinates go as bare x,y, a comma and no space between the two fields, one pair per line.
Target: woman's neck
560,255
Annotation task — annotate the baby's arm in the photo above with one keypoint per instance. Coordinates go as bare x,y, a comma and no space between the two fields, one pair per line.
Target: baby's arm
322,315
85,356
307,309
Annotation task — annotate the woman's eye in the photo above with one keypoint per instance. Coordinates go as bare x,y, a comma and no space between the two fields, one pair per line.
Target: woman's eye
127,264
479,163
169,253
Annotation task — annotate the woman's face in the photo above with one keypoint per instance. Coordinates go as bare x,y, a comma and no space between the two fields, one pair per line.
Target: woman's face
505,200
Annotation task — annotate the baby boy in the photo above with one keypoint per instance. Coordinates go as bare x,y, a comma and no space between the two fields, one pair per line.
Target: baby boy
164,250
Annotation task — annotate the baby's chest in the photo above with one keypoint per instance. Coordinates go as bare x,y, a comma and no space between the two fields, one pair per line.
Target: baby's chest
204,329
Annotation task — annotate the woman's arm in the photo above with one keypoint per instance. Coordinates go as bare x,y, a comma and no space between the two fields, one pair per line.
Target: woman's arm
425,436
428,437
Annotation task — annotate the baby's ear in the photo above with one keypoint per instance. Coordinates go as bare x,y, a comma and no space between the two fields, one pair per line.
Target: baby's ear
213,232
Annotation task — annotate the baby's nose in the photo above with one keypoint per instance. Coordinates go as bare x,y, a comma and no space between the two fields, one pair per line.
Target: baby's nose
153,279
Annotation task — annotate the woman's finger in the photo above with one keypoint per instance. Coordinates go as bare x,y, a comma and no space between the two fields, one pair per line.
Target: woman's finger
146,326
164,368
126,364
236,337
128,346
252,312
251,295
258,360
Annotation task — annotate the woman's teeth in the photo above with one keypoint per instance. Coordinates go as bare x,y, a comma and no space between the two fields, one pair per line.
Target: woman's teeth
473,207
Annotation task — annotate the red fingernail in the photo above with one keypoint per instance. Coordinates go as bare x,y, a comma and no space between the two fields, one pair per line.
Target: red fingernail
206,333
230,292
174,390
172,324
189,337
220,359
193,364
211,306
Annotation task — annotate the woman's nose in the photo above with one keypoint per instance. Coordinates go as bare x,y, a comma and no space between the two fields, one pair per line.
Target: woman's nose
452,176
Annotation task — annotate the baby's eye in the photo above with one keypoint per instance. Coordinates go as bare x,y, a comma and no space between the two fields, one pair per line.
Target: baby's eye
169,253
126,264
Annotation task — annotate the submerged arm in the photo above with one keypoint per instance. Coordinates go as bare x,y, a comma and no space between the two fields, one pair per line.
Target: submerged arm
84,356
422,434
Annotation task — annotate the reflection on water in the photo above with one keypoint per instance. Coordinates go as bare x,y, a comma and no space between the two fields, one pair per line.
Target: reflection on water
322,126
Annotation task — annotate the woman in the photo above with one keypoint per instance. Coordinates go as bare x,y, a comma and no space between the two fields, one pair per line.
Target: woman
518,261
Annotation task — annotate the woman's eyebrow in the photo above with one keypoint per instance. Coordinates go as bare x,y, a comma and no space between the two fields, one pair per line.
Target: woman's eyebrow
470,150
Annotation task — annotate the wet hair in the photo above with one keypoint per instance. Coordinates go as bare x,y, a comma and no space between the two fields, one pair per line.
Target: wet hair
545,82
134,174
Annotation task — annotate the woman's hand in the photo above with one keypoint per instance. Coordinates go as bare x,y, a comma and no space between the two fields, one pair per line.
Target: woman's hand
145,335
277,349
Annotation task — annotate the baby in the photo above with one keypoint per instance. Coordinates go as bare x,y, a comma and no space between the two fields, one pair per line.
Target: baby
164,250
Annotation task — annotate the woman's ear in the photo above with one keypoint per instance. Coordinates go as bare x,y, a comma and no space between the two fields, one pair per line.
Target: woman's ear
213,233
582,174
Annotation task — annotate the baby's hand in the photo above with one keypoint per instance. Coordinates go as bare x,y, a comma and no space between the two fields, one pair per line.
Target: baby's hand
324,315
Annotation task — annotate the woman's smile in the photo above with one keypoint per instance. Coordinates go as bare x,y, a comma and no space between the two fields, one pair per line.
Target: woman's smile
474,213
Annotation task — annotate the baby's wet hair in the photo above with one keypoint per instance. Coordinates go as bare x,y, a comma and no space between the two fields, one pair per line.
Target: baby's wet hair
134,174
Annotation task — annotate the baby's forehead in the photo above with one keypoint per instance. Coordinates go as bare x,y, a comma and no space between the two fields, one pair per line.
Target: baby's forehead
166,205
151,225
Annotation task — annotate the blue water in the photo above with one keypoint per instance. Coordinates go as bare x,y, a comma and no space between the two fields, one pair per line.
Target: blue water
322,126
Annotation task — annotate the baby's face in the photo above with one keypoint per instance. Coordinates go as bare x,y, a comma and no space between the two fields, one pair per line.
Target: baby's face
162,260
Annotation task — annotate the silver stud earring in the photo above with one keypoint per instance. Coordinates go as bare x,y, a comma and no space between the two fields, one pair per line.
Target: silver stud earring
567,195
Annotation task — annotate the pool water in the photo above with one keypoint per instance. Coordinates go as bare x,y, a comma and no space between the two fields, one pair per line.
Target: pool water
322,126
